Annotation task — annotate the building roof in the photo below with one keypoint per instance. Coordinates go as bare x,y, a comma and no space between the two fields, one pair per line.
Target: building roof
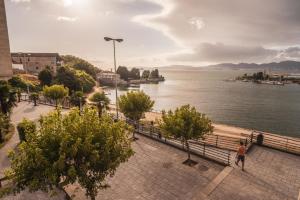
29,54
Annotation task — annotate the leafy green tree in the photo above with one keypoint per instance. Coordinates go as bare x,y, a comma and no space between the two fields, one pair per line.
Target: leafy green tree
19,94
80,64
123,72
26,126
67,149
55,92
86,81
34,97
154,74
66,76
101,101
146,74
134,104
45,77
78,99
185,123
75,80
4,126
135,74
7,97
18,82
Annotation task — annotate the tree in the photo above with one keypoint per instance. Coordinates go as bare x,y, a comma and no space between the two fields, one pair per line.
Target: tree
75,80
69,148
24,127
80,64
135,74
154,74
4,126
101,101
55,92
19,94
34,97
77,99
45,77
18,82
7,97
123,72
66,76
185,123
134,104
146,74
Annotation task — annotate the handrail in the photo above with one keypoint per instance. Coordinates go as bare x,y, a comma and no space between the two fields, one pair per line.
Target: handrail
278,142
199,148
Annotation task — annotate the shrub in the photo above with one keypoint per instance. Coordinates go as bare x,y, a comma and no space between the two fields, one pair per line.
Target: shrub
26,126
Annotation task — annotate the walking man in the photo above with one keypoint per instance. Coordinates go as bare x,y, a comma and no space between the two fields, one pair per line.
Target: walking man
240,156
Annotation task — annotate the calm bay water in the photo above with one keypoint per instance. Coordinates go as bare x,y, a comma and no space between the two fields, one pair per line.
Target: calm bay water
268,108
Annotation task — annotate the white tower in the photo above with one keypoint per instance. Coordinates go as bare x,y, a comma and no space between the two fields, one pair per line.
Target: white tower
5,57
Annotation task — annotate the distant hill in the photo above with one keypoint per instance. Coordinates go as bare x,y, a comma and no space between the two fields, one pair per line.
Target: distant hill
276,66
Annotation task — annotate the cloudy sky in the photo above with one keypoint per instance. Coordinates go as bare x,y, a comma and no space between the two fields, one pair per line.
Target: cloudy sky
158,32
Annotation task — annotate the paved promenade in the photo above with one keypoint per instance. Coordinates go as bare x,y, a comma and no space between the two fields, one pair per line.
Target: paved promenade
270,174
156,172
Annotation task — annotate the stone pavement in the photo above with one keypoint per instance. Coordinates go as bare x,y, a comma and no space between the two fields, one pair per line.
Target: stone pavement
156,172
270,174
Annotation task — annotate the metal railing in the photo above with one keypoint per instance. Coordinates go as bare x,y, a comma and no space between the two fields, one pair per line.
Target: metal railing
287,144
229,142
44,101
199,148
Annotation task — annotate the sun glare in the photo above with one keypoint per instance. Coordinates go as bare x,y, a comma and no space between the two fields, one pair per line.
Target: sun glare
67,3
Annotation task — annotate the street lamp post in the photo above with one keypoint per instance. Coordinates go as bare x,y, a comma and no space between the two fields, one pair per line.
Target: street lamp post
115,64
25,66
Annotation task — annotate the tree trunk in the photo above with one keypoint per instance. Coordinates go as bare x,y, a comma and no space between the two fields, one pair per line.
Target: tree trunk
34,102
188,150
99,111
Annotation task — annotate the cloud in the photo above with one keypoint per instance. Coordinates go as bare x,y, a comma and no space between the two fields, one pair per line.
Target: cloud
197,22
67,19
218,52
231,30
21,1
290,53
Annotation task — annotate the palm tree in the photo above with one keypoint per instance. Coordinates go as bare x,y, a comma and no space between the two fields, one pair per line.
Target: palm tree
101,101
19,94
34,97
7,97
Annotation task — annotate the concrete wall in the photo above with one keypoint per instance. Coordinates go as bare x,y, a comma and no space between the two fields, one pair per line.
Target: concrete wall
5,57
35,64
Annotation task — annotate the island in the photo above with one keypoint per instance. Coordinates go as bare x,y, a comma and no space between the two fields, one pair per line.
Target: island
278,78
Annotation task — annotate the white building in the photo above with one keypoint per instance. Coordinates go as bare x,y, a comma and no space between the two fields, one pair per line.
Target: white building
34,63
108,78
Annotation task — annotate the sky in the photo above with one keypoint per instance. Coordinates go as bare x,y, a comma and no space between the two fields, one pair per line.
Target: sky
158,32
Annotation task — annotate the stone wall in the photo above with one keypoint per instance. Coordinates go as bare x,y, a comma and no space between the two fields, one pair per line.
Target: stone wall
5,57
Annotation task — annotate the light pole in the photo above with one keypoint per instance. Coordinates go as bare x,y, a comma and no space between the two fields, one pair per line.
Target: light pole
25,66
116,81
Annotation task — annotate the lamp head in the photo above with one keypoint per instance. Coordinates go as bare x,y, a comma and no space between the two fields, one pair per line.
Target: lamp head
119,40
107,38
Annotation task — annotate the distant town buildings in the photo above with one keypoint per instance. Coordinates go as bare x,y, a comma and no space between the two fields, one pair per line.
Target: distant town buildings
108,78
5,58
34,63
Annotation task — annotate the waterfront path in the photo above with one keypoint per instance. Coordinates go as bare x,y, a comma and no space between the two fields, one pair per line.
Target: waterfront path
270,175
156,172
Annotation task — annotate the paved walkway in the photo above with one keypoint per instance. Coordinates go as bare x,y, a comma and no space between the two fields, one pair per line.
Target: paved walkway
270,174
156,172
